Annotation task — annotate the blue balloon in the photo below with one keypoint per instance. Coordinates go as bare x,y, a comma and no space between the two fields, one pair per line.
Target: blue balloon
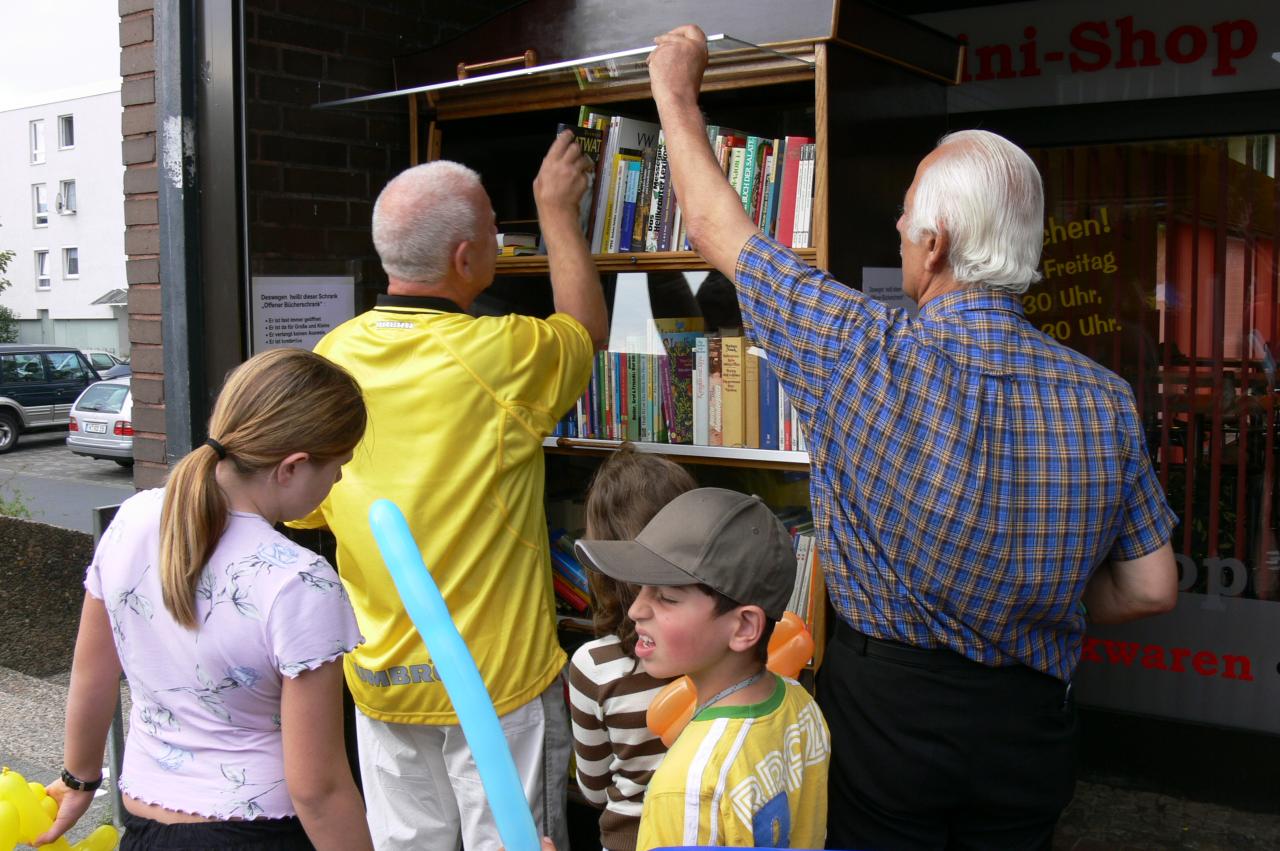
458,671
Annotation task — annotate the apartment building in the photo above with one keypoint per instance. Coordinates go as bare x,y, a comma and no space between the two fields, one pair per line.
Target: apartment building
62,214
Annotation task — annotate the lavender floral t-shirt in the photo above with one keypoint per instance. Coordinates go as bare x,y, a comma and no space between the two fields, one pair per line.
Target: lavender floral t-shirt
204,733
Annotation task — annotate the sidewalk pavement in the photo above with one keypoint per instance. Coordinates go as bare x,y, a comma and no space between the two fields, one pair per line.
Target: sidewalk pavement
1102,817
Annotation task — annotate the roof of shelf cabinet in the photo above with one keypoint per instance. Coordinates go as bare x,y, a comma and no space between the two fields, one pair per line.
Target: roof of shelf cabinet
557,33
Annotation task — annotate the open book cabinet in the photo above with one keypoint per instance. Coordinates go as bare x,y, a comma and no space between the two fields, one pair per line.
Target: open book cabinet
866,88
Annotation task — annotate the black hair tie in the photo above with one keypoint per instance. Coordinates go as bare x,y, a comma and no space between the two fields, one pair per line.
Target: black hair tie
217,447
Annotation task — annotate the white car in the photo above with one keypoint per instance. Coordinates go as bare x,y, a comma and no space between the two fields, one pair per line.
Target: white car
101,422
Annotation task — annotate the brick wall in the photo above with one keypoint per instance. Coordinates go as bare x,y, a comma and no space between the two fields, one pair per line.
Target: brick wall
312,174
142,237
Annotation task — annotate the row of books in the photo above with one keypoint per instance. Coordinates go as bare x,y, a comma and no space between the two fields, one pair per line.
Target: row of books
705,390
568,576
631,205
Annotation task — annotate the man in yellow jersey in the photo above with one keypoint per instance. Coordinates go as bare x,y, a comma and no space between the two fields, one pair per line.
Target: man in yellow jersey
458,408
716,570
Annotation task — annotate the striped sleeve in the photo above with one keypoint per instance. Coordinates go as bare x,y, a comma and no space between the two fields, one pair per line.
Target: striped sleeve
590,738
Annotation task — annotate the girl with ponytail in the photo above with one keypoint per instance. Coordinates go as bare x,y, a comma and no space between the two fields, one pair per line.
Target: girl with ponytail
230,634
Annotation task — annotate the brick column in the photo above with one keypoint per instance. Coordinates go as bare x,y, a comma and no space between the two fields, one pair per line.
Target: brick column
142,238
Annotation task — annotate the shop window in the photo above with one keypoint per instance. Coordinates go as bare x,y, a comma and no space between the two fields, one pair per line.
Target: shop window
66,131
36,136
71,262
1160,263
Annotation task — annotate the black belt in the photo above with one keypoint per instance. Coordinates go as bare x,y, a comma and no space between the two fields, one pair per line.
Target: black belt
896,651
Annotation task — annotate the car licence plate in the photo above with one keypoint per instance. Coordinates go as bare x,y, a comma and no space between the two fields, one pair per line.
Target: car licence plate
95,428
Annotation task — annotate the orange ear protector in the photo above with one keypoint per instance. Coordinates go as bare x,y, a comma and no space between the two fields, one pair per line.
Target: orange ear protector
789,649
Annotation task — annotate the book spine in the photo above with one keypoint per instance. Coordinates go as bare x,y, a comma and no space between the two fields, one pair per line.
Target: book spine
790,177
628,224
715,398
768,406
751,397
747,189
644,196
732,414
658,200
566,592
700,392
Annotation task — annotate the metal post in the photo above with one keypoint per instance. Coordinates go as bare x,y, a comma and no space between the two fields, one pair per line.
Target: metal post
115,736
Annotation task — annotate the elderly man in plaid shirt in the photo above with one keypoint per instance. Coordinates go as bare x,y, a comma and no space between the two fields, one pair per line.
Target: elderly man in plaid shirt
975,484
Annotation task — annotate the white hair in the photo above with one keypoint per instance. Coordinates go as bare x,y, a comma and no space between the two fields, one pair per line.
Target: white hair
987,193
422,215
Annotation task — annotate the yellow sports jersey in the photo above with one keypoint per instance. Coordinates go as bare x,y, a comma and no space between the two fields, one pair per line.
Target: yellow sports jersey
458,408
744,776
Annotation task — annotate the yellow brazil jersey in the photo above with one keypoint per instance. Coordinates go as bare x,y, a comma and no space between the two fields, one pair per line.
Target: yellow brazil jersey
458,408
744,776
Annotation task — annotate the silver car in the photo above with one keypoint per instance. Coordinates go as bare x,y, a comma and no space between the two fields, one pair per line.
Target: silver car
102,422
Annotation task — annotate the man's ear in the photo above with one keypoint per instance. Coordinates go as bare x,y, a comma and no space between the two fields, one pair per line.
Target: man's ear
287,468
748,628
937,248
462,259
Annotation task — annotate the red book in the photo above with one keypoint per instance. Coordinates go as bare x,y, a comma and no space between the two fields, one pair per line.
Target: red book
568,593
790,178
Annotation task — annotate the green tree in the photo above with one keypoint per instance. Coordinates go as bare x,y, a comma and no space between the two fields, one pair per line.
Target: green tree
8,319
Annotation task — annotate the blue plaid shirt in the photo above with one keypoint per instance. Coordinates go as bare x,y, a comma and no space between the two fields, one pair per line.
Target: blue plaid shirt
967,472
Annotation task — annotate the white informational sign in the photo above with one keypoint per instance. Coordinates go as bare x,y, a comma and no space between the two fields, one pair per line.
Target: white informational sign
297,311
884,284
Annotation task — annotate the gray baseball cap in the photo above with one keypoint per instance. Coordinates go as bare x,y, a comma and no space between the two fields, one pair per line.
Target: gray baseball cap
721,538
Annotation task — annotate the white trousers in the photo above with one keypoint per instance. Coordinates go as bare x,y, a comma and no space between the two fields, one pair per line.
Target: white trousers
422,791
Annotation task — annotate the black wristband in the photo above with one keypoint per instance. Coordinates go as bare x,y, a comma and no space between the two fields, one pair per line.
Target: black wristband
73,782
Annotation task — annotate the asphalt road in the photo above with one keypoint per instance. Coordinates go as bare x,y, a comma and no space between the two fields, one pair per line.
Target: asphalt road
58,487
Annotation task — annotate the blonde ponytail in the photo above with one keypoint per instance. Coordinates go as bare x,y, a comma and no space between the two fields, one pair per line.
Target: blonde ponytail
191,523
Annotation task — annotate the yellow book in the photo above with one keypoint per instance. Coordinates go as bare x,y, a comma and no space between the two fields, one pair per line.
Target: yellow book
751,398
733,416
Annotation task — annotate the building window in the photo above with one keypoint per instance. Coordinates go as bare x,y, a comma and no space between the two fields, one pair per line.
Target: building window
67,197
42,270
37,141
66,131
40,205
71,262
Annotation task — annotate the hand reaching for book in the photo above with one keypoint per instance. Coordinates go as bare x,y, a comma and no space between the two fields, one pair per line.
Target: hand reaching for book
676,65
563,177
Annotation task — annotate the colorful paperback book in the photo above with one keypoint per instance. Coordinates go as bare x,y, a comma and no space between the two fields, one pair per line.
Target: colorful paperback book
700,436
591,141
678,407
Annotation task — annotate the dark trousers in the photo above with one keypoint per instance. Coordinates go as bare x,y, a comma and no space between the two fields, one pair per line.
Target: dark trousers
932,750
284,834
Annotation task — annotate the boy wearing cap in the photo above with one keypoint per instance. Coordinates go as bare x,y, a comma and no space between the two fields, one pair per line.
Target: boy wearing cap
716,570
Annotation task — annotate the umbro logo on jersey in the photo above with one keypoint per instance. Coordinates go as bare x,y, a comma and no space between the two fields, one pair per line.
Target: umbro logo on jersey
391,323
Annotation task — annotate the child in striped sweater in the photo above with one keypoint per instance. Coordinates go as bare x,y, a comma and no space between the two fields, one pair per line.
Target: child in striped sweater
609,692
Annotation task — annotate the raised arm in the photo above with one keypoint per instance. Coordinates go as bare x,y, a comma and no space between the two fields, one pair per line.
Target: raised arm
91,701
718,227
575,284
1121,591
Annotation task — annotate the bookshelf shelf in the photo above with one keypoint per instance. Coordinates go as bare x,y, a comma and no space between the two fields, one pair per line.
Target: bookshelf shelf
628,262
765,459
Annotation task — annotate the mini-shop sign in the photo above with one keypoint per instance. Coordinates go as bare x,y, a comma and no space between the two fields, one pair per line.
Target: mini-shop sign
1060,53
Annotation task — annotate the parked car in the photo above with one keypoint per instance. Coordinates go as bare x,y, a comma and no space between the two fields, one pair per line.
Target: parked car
107,364
101,422
38,385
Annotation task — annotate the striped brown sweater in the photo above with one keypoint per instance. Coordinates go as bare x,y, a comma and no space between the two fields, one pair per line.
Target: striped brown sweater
608,697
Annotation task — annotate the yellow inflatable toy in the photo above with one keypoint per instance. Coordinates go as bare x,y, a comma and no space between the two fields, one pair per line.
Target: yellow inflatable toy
27,810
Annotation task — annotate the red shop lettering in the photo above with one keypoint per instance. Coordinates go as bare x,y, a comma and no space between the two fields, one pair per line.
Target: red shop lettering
1178,660
1098,45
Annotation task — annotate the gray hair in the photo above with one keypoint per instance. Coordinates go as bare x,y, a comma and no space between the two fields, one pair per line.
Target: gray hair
421,216
988,195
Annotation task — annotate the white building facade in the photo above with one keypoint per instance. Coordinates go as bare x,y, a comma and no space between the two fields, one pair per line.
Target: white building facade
62,214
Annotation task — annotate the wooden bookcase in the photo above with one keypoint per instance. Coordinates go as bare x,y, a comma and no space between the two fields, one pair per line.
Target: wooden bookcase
868,86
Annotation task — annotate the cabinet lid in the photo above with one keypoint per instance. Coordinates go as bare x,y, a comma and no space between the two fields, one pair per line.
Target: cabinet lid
598,71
